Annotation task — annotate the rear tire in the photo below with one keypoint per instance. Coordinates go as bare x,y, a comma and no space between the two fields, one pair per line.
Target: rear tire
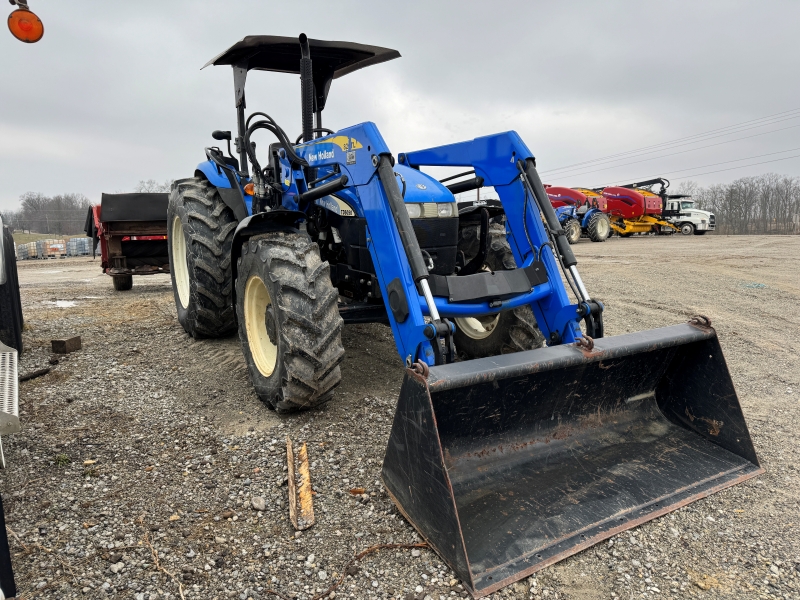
122,283
289,322
200,228
509,331
599,228
687,228
11,320
573,229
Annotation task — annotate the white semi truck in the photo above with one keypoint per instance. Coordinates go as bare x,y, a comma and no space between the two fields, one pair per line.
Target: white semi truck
681,212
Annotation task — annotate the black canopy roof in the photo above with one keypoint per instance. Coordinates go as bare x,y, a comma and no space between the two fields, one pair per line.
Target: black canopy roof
330,59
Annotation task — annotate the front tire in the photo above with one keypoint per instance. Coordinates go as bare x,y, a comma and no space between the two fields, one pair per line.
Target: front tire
573,230
10,304
698,232
200,228
289,323
599,228
509,331
687,228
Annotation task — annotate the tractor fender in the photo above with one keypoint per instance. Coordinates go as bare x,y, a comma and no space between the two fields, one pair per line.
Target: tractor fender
266,222
223,177
588,217
564,213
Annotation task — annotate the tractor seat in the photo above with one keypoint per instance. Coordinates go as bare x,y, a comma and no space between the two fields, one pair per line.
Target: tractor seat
229,160
582,209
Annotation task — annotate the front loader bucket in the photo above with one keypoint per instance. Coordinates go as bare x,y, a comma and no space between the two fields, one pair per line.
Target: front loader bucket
511,463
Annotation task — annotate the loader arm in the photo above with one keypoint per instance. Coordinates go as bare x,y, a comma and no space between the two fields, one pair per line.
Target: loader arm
357,152
496,159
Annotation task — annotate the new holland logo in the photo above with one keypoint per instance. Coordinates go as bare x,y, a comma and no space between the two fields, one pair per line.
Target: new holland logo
321,154
325,149
421,186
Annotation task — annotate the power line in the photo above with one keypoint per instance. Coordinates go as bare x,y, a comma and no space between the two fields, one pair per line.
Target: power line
769,120
673,154
711,165
632,154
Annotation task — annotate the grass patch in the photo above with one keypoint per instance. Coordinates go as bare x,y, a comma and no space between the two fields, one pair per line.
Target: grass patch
62,460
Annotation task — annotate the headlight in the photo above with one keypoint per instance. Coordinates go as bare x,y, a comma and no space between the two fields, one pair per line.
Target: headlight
445,210
414,211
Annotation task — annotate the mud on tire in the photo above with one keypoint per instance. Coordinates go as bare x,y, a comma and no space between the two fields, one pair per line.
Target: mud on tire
290,330
509,331
200,231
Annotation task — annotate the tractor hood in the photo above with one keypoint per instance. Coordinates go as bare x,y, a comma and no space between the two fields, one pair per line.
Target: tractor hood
421,188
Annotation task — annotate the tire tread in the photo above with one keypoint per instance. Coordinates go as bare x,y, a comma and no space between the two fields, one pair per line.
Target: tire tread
308,367
209,225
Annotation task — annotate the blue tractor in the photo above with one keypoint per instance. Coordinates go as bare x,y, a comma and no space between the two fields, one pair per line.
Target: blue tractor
504,454
576,221
578,215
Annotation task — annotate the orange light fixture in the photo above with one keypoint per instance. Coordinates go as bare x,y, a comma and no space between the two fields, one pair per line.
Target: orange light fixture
25,26
249,189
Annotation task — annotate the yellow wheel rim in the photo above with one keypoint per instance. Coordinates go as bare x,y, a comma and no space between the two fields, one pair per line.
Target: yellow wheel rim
256,302
478,328
180,268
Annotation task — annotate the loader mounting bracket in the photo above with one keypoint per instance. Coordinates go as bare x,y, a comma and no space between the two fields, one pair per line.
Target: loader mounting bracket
592,314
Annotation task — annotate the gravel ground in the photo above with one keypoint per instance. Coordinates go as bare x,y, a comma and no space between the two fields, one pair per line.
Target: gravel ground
147,444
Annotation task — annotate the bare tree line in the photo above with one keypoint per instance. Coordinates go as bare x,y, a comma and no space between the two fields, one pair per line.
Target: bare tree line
63,213
60,214
764,204
151,185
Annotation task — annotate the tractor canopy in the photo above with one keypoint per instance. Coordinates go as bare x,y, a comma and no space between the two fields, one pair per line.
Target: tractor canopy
330,59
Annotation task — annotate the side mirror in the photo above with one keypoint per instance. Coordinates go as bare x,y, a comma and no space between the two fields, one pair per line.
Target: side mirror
221,135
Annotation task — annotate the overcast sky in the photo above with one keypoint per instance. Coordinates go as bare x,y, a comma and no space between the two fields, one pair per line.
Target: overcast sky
114,94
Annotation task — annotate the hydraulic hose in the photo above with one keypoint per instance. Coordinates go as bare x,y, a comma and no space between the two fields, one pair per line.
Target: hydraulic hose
539,194
280,134
556,232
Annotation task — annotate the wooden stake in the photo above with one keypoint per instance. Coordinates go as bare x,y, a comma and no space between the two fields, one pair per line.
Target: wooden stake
301,506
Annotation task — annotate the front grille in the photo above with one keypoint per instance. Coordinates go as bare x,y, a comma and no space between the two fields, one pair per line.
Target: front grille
712,222
438,237
435,233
